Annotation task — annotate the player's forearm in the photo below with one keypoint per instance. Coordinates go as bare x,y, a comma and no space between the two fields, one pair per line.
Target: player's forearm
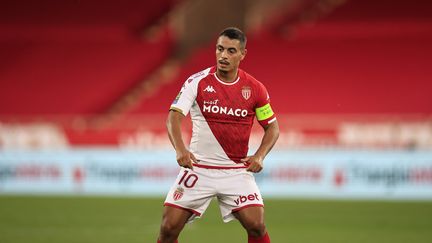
268,141
174,130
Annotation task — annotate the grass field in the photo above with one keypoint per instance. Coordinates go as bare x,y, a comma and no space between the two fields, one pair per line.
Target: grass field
105,219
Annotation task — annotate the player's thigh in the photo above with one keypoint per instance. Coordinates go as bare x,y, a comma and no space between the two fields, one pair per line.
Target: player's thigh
174,218
250,216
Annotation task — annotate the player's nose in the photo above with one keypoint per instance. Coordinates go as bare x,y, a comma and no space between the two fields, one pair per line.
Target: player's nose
224,54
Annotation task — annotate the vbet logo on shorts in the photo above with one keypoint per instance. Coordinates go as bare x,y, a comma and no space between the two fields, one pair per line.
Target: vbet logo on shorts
243,199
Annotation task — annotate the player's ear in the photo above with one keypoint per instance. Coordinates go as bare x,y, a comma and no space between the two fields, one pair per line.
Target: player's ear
243,52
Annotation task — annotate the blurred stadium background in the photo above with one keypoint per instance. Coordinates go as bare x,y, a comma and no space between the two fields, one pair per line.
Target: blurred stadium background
84,92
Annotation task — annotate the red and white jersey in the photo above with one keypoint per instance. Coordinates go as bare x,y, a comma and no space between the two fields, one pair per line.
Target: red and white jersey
222,115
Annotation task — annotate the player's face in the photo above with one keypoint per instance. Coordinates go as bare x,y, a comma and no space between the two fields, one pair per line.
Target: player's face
228,54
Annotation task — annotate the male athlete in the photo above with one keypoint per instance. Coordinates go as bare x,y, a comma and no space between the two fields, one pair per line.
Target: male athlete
223,101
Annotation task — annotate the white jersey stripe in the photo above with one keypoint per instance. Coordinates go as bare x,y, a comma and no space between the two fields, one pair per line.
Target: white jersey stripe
222,82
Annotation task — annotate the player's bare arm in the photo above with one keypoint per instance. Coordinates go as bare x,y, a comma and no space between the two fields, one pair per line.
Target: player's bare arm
183,156
269,139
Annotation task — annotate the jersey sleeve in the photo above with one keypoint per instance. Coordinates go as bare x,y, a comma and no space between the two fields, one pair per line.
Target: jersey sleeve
263,109
186,97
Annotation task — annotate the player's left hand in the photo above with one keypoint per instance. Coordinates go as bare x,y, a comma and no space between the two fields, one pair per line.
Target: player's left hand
254,163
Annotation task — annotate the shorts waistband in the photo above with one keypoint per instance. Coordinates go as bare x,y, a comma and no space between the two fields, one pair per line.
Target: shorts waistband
219,167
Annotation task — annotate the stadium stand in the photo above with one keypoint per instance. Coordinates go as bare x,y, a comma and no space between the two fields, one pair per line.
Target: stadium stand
74,57
323,62
350,61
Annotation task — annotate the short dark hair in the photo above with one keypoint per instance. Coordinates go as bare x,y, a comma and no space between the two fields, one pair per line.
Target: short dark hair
235,34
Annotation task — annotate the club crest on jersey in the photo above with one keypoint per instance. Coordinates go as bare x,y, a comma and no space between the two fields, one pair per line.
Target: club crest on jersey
246,92
178,194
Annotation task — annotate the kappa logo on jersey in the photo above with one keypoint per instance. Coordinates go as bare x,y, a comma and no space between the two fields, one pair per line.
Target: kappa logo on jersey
246,92
210,89
178,194
243,199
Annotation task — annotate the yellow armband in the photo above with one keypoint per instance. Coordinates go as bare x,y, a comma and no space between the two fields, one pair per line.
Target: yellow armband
264,112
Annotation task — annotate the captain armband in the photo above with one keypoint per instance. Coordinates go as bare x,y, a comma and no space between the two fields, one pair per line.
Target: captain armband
264,112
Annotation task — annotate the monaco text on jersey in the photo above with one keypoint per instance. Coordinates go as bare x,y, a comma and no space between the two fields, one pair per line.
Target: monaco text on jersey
224,110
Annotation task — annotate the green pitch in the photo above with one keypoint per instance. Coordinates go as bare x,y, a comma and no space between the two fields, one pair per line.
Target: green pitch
133,220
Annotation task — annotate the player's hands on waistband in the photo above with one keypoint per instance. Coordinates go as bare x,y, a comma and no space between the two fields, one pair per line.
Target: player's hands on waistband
185,158
254,163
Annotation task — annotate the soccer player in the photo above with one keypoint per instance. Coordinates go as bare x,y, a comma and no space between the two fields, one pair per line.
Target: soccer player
223,101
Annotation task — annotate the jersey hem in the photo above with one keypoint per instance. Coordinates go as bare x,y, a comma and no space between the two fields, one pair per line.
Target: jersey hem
173,108
272,120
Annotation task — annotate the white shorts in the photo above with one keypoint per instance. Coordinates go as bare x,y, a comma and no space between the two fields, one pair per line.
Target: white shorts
234,189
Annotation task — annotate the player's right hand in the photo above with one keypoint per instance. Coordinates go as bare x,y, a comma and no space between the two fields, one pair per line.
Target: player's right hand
185,158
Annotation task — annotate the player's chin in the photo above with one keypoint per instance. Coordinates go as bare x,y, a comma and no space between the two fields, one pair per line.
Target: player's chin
223,67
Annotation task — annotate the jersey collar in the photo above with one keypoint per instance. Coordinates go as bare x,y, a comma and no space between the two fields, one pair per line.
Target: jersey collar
222,82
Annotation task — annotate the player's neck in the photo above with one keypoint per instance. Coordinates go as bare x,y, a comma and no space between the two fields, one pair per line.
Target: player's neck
227,77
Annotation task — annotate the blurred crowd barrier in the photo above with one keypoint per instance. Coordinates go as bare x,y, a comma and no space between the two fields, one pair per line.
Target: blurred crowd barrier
317,156
311,173
149,132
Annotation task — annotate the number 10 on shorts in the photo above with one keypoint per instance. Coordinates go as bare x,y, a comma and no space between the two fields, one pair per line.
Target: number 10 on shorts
188,180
